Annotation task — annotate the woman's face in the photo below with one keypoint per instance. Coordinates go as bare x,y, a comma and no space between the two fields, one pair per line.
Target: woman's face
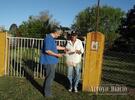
73,38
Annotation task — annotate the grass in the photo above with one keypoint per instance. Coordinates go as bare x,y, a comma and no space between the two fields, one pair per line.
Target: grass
12,88
118,68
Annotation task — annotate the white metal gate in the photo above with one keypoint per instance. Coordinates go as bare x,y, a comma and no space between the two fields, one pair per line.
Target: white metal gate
23,57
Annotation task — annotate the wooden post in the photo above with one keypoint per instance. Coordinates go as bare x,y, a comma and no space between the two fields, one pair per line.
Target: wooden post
2,52
93,61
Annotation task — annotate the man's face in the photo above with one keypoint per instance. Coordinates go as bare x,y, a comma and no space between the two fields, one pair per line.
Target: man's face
57,34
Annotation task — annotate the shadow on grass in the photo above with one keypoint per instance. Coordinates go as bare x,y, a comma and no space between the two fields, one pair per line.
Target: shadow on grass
63,80
29,74
28,69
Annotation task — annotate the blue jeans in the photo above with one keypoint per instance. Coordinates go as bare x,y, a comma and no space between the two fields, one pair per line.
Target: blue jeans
49,77
74,74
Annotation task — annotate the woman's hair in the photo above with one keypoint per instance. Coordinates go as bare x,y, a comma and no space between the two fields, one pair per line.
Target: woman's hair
74,33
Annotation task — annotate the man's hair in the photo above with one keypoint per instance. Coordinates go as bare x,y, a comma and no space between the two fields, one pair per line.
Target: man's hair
56,29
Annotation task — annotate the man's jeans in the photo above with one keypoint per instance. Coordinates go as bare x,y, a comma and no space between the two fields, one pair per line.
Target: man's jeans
49,77
74,74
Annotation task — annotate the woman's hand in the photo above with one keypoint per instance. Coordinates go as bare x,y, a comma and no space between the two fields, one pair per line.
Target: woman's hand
78,52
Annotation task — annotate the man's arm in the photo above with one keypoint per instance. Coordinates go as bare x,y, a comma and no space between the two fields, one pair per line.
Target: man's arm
49,52
61,48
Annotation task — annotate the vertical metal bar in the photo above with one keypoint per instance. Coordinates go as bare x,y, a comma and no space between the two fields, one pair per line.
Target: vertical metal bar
12,56
32,58
21,54
27,49
36,57
12,63
9,56
38,49
6,55
35,72
39,53
17,56
59,70
61,63
42,70
24,54
41,45
62,42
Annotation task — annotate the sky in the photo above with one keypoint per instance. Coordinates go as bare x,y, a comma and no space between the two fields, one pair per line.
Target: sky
63,11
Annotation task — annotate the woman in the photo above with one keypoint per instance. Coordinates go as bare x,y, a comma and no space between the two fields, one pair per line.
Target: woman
73,60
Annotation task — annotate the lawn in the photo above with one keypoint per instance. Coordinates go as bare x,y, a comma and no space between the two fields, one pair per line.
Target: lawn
12,88
118,68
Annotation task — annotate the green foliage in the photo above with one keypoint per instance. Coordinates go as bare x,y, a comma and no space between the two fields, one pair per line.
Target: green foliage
127,28
126,41
2,29
13,30
109,20
37,26
31,28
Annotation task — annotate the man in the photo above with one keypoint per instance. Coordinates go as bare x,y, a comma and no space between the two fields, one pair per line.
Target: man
73,60
49,59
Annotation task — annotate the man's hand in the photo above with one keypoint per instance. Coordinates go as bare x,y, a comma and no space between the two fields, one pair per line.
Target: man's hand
59,55
49,52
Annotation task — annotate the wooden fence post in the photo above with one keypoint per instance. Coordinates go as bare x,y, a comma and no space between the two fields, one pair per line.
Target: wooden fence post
93,61
2,52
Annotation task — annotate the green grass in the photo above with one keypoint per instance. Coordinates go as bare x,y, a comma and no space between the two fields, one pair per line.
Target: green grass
12,88
119,68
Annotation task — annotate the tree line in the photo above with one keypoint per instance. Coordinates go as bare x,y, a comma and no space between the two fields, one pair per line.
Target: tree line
117,26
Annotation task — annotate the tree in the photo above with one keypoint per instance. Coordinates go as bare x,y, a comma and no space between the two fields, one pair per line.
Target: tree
109,18
127,32
37,26
2,29
127,28
13,29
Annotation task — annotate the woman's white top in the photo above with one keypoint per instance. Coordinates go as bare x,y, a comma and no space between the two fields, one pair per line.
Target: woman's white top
72,58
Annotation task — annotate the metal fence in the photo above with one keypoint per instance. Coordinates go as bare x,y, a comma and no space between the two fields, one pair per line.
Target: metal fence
23,57
24,53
